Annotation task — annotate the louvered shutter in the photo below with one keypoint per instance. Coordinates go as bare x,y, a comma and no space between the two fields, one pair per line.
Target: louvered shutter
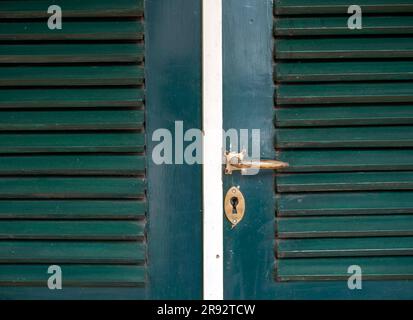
344,118
72,165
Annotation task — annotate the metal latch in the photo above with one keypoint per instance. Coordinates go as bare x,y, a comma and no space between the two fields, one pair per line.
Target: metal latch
236,161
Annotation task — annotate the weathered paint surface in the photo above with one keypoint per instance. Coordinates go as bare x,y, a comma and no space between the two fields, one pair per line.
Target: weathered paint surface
76,160
334,135
173,84
73,165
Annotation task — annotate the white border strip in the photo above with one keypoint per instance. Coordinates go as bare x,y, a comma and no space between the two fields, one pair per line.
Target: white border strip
213,152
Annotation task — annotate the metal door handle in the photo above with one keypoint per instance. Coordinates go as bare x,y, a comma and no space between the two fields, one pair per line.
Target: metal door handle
235,161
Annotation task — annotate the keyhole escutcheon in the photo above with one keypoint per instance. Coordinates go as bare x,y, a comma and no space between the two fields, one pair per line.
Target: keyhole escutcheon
234,206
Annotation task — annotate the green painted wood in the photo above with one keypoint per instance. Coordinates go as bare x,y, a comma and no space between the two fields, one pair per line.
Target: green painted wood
316,26
319,215
71,120
72,30
72,209
71,53
344,93
368,137
343,71
71,98
249,256
347,181
74,275
174,93
67,188
71,76
30,292
72,8
338,247
120,165
352,226
71,230
79,252
71,142
316,7
337,48
374,268
345,203
343,116
346,160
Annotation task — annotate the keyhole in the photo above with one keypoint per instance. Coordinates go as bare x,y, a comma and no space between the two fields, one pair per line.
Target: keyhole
234,203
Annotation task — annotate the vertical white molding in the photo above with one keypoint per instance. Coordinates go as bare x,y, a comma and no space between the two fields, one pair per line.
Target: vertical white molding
212,149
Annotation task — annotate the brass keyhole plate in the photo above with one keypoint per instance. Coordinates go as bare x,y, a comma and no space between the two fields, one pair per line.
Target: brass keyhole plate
238,215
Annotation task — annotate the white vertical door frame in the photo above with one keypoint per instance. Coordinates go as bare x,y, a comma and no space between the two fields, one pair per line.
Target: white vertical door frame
213,285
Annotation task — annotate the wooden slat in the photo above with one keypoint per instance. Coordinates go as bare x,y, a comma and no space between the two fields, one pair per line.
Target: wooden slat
346,160
339,247
315,7
343,116
74,275
66,188
72,30
71,76
71,8
72,209
120,165
311,182
369,137
71,142
344,93
71,120
316,26
42,292
329,48
71,98
79,252
374,268
352,226
343,71
345,203
71,53
71,230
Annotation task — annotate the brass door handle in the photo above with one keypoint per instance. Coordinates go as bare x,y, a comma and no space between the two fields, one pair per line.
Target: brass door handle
235,161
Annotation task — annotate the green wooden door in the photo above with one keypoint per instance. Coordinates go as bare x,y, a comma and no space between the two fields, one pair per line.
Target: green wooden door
77,187
336,104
